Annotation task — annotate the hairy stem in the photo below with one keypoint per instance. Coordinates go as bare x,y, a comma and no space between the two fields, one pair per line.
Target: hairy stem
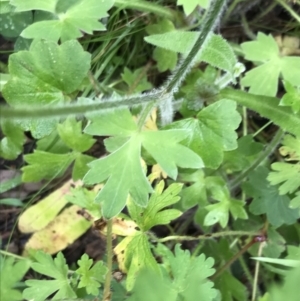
208,236
109,251
27,112
210,21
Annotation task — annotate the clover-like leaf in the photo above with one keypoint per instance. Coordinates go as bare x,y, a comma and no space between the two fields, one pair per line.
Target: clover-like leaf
57,268
91,277
263,79
212,132
69,20
153,215
266,199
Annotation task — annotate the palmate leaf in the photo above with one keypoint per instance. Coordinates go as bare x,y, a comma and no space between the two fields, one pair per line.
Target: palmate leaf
263,80
57,268
69,19
266,199
122,169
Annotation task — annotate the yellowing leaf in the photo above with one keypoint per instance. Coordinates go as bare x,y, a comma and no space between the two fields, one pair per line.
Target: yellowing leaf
61,232
122,226
38,216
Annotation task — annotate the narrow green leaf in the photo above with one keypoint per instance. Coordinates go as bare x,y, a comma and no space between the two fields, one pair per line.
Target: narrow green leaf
267,107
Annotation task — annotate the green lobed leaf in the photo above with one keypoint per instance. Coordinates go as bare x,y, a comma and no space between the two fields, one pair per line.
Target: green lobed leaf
57,268
12,23
263,80
80,167
137,257
44,165
137,81
12,272
266,199
85,199
190,275
166,59
112,123
217,52
91,277
70,131
190,5
124,174
169,153
12,144
286,173
212,132
122,168
34,5
42,76
71,19
291,97
153,215
183,277
219,212
194,193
